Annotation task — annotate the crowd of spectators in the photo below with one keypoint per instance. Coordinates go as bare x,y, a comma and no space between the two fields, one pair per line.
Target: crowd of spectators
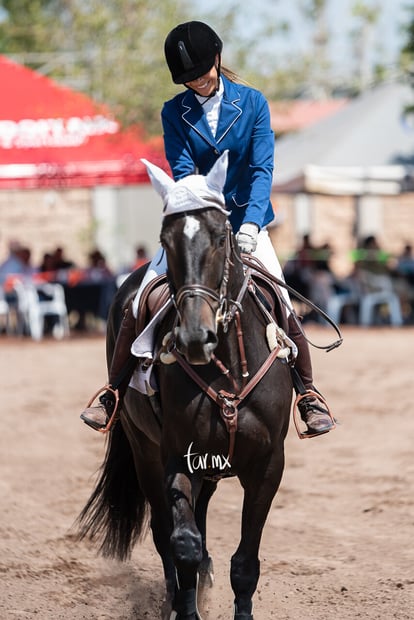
374,270
89,289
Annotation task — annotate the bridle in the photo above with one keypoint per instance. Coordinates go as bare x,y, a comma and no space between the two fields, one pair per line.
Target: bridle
218,300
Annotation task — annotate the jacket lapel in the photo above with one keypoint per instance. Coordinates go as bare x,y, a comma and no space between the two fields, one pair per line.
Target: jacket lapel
194,116
230,111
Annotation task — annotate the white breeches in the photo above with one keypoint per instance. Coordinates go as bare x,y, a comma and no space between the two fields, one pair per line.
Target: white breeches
266,254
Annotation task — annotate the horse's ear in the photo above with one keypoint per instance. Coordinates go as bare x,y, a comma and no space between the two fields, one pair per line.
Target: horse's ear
216,178
160,180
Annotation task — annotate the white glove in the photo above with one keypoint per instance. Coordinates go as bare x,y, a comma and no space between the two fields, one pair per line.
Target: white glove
247,237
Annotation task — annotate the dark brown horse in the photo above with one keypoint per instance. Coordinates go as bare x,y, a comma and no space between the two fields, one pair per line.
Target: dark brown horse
222,407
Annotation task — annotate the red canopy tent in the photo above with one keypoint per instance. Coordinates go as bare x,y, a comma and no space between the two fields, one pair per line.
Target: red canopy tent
53,136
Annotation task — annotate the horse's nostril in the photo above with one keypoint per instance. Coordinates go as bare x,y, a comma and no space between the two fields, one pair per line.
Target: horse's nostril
211,337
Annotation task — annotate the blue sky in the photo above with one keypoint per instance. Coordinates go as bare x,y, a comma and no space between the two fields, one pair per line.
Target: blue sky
386,43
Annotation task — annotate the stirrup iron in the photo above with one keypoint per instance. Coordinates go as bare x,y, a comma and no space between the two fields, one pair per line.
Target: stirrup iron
297,417
113,417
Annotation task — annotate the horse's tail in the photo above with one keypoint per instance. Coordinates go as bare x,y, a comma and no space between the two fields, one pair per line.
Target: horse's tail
116,512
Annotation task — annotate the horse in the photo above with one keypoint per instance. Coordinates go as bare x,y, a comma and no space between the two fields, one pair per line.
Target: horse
223,402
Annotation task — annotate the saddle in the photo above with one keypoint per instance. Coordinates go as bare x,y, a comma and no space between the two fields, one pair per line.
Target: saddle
154,296
157,292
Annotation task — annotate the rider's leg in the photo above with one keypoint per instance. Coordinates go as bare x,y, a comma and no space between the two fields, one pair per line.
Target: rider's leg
122,366
123,362
313,411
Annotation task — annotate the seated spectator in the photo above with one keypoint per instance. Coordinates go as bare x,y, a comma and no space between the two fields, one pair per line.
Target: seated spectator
97,269
60,261
17,264
26,258
405,263
48,263
370,257
13,264
298,269
403,277
141,257
322,279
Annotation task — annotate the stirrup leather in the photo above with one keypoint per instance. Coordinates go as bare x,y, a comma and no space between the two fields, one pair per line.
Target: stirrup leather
297,417
113,418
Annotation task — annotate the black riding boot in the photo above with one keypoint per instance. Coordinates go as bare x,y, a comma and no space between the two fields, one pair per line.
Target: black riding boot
313,410
122,366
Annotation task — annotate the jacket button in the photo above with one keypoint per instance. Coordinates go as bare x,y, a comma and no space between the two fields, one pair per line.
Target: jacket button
216,152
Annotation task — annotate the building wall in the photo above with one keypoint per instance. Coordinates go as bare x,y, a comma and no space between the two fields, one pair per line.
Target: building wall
45,219
114,219
127,217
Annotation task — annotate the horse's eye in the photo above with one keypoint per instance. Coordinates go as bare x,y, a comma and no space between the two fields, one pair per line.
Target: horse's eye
163,242
221,240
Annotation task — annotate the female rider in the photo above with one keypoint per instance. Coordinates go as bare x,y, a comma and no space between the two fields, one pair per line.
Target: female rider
217,113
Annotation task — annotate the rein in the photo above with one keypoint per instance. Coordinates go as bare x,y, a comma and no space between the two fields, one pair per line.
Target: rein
255,265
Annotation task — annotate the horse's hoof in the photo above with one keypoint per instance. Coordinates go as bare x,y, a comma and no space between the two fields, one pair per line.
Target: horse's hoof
166,611
242,615
206,574
175,616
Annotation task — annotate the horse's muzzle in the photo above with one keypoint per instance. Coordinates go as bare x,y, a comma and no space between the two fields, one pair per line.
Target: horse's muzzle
197,347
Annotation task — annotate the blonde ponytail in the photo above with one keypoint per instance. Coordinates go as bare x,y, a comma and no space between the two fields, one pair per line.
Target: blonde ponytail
232,76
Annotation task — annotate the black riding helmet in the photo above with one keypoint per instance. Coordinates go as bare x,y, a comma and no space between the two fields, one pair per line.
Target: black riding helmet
190,51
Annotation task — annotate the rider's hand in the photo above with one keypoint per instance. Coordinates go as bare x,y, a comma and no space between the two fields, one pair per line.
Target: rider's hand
247,237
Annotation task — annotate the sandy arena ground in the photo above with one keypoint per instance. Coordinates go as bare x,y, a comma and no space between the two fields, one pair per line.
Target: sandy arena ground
338,543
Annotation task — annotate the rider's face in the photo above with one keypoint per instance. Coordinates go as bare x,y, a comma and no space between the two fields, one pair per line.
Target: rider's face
206,84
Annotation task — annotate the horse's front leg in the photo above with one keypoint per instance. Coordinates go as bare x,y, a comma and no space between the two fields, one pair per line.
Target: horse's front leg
205,570
186,540
260,487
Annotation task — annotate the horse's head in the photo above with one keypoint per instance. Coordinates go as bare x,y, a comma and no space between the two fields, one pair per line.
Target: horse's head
196,237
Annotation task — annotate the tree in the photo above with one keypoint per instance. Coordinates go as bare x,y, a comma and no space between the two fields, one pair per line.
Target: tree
407,60
317,61
28,25
366,16
407,51
113,51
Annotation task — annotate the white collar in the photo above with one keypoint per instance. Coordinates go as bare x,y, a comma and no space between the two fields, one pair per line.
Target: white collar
216,98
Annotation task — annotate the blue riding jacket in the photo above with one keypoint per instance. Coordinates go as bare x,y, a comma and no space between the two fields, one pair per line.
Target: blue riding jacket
244,130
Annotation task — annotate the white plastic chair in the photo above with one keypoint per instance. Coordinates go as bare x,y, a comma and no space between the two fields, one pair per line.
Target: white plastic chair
37,301
378,292
4,310
338,302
